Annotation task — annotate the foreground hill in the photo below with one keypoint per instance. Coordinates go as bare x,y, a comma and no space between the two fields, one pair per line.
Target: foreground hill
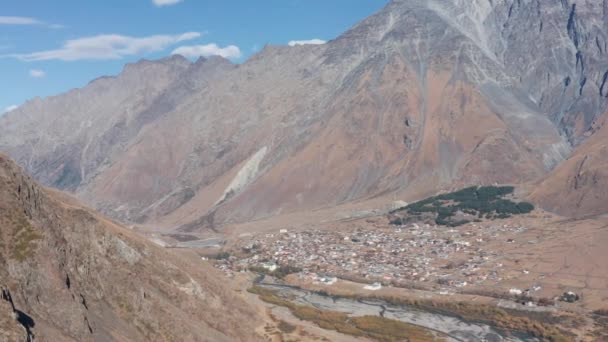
67,273
421,96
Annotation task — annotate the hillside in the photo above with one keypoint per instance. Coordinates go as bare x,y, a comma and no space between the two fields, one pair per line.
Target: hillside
68,274
419,97
579,187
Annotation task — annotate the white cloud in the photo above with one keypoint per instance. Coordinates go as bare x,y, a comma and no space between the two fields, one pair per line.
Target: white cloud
37,73
160,3
10,108
194,51
107,46
4,20
19,21
307,42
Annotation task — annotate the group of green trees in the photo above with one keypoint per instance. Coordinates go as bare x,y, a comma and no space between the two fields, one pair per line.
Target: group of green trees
481,201
281,272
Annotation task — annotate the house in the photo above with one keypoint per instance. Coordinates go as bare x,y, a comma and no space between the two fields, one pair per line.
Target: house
271,266
515,291
569,297
328,280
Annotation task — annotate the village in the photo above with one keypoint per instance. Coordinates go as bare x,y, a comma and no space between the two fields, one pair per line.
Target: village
424,256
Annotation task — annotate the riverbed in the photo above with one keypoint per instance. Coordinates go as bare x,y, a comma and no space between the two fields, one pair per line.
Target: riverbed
455,328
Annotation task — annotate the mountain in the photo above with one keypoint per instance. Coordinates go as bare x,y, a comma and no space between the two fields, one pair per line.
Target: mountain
69,274
578,186
419,97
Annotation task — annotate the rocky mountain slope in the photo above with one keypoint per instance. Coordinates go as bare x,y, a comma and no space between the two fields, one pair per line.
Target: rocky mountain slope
578,186
68,274
421,96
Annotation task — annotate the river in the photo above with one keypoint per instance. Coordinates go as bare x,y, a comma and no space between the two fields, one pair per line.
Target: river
455,328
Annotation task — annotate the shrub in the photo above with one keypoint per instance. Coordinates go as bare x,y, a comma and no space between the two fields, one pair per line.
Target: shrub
286,327
222,256
281,272
397,221
284,271
601,312
525,207
545,301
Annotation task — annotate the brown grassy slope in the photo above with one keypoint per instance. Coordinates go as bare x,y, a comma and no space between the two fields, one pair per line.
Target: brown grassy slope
82,277
365,148
579,186
404,104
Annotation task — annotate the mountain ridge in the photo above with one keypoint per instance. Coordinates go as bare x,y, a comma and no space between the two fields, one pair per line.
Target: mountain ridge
385,108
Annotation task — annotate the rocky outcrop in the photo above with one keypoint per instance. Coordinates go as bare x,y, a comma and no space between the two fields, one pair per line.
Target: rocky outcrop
70,274
14,324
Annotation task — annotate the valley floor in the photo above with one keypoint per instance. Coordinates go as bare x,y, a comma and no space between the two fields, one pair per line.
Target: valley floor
522,264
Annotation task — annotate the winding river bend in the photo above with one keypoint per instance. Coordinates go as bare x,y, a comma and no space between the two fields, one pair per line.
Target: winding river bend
455,328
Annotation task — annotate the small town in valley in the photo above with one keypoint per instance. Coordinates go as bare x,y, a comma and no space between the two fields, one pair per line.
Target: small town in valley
415,255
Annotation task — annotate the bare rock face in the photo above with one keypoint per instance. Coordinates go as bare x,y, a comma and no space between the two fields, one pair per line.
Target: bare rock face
13,326
67,273
423,95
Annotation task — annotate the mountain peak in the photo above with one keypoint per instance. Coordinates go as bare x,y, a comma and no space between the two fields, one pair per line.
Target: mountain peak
213,60
173,61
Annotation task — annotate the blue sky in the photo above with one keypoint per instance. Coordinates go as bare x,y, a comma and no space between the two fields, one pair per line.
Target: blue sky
49,47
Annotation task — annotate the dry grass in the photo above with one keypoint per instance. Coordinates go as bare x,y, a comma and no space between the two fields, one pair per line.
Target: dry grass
22,237
490,315
601,312
286,327
601,325
377,328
